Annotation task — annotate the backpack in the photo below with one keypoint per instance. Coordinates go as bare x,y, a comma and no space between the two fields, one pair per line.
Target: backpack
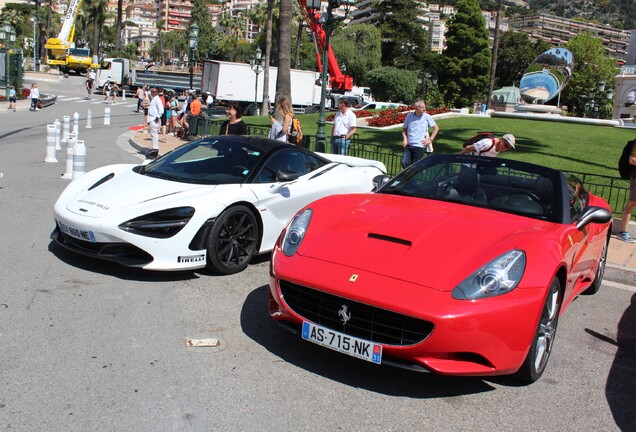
624,167
295,135
480,136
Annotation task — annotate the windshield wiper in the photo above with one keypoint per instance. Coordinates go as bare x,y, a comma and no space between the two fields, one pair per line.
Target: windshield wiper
162,175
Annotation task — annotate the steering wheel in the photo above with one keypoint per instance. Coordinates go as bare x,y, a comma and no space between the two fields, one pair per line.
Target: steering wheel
532,196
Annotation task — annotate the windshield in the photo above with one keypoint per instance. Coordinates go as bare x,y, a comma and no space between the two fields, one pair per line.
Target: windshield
215,161
502,185
80,51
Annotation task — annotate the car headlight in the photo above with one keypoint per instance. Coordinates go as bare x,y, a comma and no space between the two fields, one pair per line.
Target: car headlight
498,277
295,233
161,224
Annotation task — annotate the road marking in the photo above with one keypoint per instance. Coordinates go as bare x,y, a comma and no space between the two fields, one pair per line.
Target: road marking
619,286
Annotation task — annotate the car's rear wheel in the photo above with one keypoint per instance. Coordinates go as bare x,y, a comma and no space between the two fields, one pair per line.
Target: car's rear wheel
600,271
233,240
539,353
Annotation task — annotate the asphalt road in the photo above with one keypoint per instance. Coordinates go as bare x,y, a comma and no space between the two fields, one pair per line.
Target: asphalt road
92,346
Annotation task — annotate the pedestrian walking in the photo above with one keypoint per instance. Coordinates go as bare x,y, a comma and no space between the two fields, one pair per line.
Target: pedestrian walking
90,83
34,95
626,215
12,98
281,128
155,111
140,94
113,93
108,87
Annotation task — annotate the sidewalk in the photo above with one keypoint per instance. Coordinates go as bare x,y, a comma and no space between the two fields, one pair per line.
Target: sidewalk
621,256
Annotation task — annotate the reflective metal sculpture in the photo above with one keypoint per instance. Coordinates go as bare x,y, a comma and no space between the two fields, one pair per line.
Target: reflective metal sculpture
546,76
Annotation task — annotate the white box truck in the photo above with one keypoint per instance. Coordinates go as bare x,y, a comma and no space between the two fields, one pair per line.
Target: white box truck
236,82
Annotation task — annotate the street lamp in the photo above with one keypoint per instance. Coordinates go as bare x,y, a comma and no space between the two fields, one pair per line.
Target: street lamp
193,42
256,63
35,42
7,37
427,77
329,22
596,99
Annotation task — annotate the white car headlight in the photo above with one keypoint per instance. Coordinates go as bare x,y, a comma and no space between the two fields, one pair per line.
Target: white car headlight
498,277
296,232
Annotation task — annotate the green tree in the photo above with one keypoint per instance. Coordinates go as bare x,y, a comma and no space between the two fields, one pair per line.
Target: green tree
404,40
208,46
358,47
516,52
591,66
96,15
392,84
465,64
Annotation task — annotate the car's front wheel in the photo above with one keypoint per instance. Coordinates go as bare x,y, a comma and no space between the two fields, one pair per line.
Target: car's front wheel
600,271
541,347
233,240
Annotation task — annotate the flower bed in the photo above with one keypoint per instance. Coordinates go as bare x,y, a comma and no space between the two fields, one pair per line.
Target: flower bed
396,116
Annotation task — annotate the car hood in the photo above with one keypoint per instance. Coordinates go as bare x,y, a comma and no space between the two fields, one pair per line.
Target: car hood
427,242
106,191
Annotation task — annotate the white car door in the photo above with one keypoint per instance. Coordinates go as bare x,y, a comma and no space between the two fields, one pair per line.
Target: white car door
277,201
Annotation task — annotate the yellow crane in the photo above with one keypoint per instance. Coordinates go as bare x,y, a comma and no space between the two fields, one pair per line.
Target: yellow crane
61,51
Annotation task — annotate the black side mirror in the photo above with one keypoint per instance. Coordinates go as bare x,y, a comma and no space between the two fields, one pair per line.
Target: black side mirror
380,180
594,215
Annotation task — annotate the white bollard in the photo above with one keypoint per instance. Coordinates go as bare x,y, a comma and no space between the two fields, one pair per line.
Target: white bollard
106,116
89,119
123,95
76,124
50,143
58,134
66,128
69,158
79,159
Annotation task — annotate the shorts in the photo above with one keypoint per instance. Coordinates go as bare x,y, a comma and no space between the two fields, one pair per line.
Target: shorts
145,111
632,188
13,99
163,119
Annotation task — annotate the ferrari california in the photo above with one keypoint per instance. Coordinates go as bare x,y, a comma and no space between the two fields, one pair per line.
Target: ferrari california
217,201
459,265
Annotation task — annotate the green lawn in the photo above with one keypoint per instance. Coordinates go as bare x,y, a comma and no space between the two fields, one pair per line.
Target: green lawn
565,146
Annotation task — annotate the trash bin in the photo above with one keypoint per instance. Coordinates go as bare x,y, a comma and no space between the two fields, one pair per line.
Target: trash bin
193,125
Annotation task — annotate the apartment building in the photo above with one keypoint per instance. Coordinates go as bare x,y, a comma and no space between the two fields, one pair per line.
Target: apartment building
557,31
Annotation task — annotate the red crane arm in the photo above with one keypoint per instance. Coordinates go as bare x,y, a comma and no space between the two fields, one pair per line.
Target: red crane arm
339,82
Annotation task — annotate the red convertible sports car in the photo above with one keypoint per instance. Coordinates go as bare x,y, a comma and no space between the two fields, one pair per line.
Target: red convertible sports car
459,265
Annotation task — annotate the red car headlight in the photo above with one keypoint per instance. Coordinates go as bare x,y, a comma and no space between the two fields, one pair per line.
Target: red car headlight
495,278
295,233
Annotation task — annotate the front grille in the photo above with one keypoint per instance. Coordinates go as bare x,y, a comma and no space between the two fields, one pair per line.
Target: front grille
367,322
122,253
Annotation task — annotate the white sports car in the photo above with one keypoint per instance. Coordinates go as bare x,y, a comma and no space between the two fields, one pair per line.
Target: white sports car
217,201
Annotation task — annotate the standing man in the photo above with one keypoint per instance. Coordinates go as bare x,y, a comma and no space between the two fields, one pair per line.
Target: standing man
155,111
415,136
631,204
90,83
140,94
344,126
490,146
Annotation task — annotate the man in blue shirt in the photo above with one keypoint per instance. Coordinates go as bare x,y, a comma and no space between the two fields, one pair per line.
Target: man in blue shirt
416,139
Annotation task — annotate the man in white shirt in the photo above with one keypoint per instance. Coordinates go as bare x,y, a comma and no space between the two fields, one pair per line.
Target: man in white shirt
155,111
344,126
490,147
416,139
209,101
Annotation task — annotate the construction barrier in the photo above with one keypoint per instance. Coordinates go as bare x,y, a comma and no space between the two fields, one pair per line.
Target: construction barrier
106,116
66,128
89,119
68,174
58,134
76,124
50,143
79,159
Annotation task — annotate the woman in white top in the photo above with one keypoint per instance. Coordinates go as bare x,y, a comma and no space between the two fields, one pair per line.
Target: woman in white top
35,97
344,126
280,129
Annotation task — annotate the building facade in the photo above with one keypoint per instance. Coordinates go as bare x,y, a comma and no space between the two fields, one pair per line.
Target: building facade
557,31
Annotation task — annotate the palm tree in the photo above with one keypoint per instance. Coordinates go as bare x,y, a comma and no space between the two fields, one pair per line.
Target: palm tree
269,21
119,24
283,79
96,15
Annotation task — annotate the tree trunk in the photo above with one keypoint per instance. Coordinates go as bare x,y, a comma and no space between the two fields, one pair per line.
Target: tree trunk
283,80
268,53
299,39
119,25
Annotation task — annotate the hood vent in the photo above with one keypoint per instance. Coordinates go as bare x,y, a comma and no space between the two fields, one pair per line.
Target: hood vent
389,239
102,181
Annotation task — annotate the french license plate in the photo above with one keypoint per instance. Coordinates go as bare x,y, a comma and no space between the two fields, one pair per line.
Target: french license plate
343,343
80,234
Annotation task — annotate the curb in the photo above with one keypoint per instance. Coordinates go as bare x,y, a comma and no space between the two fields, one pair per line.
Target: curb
623,275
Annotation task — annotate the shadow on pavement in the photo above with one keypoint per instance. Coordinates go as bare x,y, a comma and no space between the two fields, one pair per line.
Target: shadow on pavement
260,327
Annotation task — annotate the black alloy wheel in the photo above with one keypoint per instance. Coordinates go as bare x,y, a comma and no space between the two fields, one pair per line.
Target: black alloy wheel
233,240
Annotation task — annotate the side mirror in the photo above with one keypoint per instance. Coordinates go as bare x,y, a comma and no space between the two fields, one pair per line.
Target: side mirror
380,180
594,215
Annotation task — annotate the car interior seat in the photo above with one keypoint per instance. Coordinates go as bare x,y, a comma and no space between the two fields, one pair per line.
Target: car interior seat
467,186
